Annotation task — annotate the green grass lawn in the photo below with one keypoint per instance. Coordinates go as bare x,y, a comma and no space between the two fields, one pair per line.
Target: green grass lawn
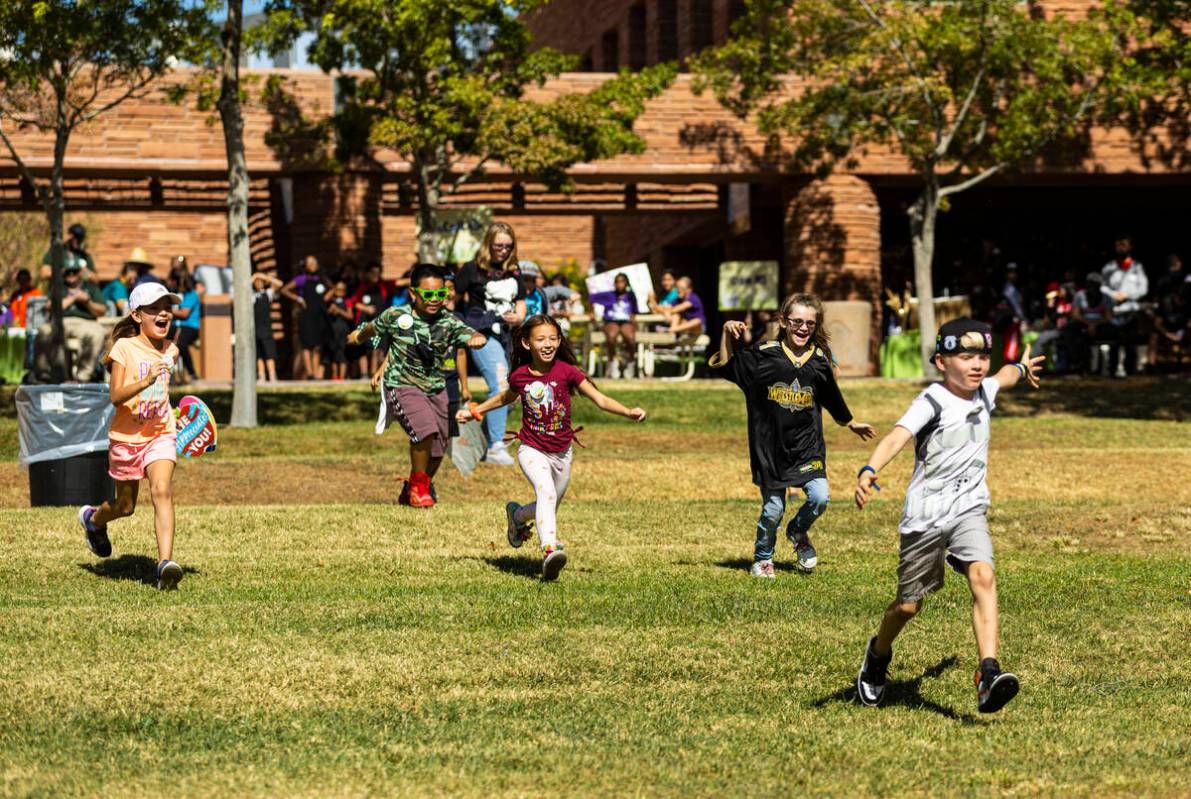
325,642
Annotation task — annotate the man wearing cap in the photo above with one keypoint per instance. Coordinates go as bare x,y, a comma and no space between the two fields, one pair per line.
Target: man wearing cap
73,252
82,304
535,299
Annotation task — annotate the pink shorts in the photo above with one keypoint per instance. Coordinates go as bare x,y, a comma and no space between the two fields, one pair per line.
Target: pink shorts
128,461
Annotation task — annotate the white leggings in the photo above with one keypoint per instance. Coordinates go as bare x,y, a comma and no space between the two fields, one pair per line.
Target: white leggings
549,474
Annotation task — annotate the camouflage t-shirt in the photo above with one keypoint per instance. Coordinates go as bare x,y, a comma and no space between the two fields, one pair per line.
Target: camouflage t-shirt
418,347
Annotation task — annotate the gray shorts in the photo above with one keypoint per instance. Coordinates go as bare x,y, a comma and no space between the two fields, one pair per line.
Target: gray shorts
920,566
420,415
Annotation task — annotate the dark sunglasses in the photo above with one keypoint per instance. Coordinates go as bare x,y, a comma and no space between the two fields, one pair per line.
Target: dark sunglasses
429,295
809,324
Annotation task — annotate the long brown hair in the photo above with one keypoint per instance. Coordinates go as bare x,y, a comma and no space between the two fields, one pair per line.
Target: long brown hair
127,327
484,256
820,337
521,334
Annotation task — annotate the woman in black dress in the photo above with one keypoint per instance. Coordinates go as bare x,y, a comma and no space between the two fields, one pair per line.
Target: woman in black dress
309,290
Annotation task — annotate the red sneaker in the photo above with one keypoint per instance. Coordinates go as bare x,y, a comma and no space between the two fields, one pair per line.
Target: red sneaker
419,491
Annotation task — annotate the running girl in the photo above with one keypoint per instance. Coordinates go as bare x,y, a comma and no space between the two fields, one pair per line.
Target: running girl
142,437
544,377
786,385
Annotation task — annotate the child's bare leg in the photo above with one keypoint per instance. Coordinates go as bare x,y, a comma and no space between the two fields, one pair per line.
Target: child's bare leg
983,584
896,617
432,469
161,479
419,455
271,370
123,505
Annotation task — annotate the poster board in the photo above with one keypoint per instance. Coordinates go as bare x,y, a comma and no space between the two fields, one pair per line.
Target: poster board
640,283
457,233
748,286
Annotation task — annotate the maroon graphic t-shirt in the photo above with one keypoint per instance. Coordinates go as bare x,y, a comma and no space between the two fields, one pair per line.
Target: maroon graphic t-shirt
546,405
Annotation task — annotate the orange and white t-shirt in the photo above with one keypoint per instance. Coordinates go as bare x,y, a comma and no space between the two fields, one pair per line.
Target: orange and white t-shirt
146,415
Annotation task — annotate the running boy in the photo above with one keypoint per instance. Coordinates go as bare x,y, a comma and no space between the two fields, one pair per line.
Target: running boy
421,336
545,377
944,516
786,385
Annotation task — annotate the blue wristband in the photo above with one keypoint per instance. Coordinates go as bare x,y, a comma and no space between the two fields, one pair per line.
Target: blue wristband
1020,368
866,468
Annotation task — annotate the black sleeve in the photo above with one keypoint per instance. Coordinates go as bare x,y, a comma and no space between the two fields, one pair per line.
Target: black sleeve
829,395
740,369
464,282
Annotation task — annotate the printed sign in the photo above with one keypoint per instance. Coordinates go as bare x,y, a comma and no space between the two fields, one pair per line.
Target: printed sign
197,434
640,282
748,286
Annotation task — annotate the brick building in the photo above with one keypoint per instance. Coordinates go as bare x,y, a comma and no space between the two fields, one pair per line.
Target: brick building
151,174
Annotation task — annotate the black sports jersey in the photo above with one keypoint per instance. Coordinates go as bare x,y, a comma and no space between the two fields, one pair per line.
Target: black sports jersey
784,401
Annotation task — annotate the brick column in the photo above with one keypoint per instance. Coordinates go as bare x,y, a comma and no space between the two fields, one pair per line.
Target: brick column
337,217
832,245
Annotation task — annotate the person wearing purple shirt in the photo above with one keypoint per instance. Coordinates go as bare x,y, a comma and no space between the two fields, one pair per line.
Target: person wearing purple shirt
687,318
620,306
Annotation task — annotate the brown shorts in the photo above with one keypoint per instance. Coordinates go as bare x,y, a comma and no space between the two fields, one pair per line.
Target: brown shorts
421,415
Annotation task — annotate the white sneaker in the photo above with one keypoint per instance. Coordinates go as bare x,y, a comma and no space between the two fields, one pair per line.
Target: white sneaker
630,370
613,370
499,455
553,559
763,568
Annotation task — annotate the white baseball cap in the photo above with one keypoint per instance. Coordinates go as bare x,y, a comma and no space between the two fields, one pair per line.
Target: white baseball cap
149,293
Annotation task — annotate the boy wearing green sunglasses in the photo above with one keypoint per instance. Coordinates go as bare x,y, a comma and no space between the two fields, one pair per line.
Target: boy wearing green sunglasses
421,337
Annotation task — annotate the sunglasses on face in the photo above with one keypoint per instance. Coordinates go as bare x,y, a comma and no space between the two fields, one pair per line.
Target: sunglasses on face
796,324
502,246
430,295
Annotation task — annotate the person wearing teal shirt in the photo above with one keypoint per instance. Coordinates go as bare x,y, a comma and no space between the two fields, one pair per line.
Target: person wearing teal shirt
187,316
115,294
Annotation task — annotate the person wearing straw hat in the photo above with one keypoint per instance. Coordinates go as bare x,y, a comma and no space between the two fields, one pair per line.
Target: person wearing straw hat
144,267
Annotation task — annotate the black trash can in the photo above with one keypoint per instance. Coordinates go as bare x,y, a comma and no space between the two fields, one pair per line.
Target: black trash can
64,443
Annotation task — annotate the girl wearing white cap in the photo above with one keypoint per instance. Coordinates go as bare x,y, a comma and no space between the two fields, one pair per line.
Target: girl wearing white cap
142,439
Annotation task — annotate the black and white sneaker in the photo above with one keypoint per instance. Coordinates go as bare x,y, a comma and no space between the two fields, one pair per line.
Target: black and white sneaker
804,551
553,559
97,537
169,574
870,682
994,688
519,532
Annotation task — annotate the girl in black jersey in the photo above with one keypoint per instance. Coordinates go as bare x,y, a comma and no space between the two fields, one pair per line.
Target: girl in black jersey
786,384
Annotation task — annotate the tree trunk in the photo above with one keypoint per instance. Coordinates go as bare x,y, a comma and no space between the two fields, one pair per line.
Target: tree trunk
427,204
923,215
61,366
243,318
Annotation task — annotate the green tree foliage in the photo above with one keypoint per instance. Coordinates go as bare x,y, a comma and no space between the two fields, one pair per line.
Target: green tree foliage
962,90
1156,104
65,62
444,88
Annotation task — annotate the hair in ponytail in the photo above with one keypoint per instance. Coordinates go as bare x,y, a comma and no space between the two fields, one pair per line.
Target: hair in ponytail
127,327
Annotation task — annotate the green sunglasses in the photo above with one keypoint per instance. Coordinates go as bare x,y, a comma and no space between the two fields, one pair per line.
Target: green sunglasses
429,295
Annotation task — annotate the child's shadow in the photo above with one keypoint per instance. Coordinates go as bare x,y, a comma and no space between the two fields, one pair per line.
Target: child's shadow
138,568
907,693
744,564
512,564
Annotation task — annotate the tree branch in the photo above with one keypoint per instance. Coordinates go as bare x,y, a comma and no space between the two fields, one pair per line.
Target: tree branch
962,114
972,181
132,91
935,112
23,168
475,171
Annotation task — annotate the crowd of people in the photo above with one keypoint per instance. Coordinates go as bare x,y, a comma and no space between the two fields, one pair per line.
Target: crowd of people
1118,307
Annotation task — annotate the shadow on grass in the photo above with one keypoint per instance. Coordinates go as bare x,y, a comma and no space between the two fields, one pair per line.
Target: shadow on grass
138,568
512,564
744,564
1141,397
907,693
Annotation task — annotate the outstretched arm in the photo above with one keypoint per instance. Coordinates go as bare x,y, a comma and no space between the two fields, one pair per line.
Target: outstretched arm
506,397
886,450
606,403
1028,367
731,339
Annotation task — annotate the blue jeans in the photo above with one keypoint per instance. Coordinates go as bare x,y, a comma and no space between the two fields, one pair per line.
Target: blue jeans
773,508
494,366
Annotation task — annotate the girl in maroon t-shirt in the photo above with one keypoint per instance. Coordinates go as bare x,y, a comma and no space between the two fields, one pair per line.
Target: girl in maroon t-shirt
544,376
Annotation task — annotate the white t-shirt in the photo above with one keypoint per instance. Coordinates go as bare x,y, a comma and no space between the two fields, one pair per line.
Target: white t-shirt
951,455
